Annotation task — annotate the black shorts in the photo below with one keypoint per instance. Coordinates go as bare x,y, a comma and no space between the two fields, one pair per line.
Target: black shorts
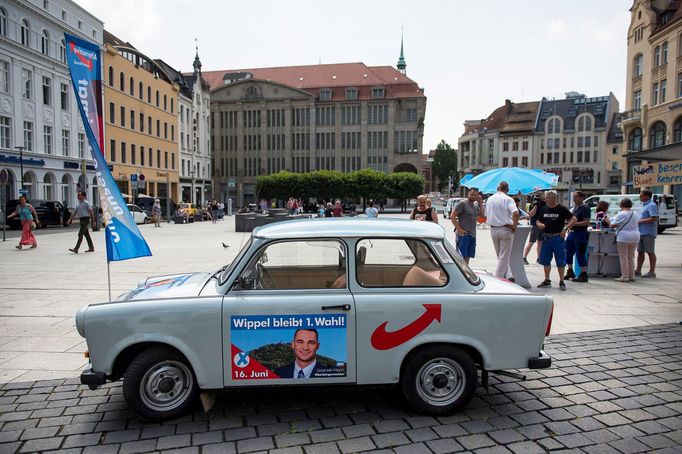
535,234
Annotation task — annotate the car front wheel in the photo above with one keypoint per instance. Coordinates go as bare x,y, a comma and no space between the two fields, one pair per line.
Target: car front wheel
439,379
159,384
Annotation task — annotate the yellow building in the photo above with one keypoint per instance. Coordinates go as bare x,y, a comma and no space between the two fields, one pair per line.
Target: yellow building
140,112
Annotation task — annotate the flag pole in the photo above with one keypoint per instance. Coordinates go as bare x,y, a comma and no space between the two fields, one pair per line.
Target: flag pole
109,279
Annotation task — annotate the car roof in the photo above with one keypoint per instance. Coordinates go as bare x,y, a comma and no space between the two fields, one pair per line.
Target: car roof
349,227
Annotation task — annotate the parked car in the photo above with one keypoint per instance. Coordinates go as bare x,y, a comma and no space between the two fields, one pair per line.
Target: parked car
450,205
146,204
138,213
343,301
49,213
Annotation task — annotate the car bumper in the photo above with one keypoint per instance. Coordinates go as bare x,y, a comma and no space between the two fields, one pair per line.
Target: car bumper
540,362
92,378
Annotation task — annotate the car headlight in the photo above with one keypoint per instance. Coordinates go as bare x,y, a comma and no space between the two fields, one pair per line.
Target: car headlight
80,320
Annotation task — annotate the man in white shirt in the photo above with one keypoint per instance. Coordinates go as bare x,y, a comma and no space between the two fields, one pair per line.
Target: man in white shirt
502,217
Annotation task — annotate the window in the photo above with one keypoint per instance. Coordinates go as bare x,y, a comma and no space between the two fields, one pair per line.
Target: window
149,125
133,152
47,91
123,152
158,158
112,112
80,25
62,51
378,93
141,155
81,145
664,53
157,98
505,146
654,94
28,136
679,84
111,76
664,87
25,33
64,15
149,95
4,76
383,262
165,130
122,118
3,22
637,98
635,140
140,91
165,102
158,128
585,123
657,56
553,126
515,147
325,94
505,162
677,130
132,119
524,145
47,139
172,133
165,159
141,122
64,96
45,43
121,81
515,161
5,132
272,269
639,61
112,151
351,93
524,160
66,141
26,84
151,154
657,135
131,86
587,155
172,106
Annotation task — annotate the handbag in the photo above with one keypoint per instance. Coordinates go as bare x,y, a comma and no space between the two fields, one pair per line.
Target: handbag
615,237
33,225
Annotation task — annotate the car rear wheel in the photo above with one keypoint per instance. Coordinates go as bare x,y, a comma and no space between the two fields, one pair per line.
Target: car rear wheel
439,379
159,384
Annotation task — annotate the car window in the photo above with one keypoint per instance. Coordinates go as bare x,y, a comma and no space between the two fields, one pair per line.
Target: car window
388,262
288,265
468,273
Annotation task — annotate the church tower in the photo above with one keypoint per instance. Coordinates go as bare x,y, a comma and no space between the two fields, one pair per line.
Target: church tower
402,66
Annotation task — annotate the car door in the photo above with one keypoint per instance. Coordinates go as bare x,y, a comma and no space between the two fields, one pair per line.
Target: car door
290,317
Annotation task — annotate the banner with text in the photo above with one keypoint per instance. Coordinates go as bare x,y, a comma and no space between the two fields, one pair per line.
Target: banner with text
288,346
123,238
657,174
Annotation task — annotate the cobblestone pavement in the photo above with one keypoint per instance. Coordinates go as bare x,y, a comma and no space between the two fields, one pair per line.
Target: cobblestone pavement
607,391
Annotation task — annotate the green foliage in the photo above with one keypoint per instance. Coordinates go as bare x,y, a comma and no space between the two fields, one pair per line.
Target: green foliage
330,184
273,356
444,164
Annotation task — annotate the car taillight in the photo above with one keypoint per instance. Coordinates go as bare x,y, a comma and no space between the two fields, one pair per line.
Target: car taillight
549,323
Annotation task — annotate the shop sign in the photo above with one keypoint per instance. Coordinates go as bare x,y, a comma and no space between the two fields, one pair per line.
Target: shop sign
657,174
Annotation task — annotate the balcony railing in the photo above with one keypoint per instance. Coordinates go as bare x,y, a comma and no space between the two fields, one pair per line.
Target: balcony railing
629,116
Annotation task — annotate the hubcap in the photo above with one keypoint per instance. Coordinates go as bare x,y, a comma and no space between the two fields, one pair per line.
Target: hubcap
166,385
440,381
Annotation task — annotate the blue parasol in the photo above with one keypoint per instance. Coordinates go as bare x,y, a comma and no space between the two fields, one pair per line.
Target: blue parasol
519,179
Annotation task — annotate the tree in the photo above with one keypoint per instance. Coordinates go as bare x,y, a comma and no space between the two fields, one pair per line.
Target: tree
444,164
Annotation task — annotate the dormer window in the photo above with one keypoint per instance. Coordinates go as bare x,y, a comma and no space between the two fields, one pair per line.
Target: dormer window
325,94
252,92
351,93
378,93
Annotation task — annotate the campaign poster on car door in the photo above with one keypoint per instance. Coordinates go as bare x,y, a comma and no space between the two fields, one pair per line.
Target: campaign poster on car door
288,346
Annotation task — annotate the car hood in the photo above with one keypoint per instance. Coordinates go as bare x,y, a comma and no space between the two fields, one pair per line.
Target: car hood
494,284
169,286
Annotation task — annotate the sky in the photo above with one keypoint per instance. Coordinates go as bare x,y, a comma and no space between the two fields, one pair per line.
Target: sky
469,56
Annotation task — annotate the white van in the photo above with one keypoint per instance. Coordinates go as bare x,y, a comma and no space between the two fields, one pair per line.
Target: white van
667,207
450,205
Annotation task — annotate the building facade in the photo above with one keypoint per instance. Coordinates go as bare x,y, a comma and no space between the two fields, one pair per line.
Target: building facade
571,137
40,126
652,121
478,146
193,123
140,112
342,117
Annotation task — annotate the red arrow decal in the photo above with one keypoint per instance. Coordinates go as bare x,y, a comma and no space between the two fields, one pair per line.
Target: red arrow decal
384,340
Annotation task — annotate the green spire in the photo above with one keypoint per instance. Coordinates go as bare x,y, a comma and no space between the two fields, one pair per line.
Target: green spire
401,61
197,62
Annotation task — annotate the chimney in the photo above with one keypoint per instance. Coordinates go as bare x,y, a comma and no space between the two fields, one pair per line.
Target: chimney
508,105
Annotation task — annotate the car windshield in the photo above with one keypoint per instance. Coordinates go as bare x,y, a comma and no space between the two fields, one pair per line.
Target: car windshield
459,260
228,268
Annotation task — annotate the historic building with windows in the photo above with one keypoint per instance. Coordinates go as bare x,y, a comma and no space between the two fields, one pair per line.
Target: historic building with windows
652,121
478,146
141,122
343,117
571,137
40,126
194,133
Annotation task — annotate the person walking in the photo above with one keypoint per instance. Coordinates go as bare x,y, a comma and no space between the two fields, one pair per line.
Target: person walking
156,213
337,211
422,212
535,236
648,229
627,237
464,217
576,241
85,214
503,217
26,214
553,221
371,212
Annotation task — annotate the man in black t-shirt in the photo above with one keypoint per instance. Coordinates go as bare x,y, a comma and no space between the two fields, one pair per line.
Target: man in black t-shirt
552,219
534,237
576,241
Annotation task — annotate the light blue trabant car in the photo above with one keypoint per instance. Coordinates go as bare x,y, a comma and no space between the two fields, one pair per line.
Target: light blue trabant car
324,301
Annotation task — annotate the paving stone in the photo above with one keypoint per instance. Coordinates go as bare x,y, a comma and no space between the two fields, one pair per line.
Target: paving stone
74,429
76,441
42,444
573,440
101,449
417,448
650,427
267,430
601,436
240,433
215,436
175,441
612,419
506,436
291,450
389,440
220,448
629,445
476,427
422,434
322,448
43,432
471,442
132,447
526,447
356,445
359,430
444,446
390,425
657,441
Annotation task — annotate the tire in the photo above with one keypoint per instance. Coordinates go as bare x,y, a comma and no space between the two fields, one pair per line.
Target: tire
159,384
439,379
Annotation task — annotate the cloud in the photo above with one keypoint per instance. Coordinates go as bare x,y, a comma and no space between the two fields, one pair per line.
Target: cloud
556,29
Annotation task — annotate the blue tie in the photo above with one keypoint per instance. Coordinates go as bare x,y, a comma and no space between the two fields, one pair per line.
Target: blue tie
301,374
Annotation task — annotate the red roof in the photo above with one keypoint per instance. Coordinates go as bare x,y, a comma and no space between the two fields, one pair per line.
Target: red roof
336,77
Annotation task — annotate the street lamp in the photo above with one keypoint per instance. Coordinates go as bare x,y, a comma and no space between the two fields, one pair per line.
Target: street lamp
191,194
21,165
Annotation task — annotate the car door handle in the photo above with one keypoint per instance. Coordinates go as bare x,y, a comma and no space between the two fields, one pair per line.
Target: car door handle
340,307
